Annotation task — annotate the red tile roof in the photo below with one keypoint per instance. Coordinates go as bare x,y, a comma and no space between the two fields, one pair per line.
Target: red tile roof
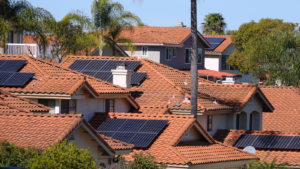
53,79
165,147
223,46
160,35
116,144
151,110
213,73
10,103
286,115
292,157
165,86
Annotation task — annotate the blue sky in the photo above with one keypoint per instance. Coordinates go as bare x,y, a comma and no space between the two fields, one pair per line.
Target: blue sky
169,12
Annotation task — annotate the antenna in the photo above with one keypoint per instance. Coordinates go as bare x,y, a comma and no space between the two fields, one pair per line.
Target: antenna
250,149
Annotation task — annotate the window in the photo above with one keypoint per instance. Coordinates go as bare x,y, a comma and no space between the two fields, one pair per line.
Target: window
188,55
68,106
11,37
209,123
237,124
48,102
225,66
19,37
250,127
145,51
169,54
109,105
174,52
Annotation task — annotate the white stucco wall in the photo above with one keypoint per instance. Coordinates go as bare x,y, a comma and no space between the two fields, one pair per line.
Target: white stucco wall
212,62
86,141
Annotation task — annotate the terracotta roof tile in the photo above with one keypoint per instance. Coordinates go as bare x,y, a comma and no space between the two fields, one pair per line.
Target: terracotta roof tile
217,74
223,46
117,144
286,114
34,129
53,79
153,110
10,103
165,148
159,35
229,137
165,87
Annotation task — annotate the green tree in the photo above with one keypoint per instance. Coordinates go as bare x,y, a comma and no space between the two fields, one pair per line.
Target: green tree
63,156
142,161
247,31
214,24
266,165
276,57
12,155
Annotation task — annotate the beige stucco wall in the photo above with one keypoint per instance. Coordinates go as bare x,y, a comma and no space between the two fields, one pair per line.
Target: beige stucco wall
107,51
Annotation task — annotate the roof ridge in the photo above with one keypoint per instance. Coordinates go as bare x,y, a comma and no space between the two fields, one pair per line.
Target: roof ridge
35,65
112,114
115,140
242,151
43,114
175,151
13,107
155,36
84,75
164,77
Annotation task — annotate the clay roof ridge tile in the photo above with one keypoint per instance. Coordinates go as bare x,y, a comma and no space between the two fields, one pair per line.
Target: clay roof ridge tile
175,151
34,64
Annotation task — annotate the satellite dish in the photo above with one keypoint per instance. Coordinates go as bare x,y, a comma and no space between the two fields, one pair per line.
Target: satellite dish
250,149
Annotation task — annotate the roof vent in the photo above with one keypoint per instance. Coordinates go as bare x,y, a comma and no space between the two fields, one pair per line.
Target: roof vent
229,80
180,24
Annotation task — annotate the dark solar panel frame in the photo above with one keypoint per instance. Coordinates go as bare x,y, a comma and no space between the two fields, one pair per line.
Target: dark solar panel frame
245,140
111,64
139,132
18,79
295,143
103,75
12,65
137,77
280,142
263,141
95,65
132,65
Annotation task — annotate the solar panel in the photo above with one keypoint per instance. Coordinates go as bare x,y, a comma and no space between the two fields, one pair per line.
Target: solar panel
139,132
131,65
91,73
4,76
103,75
95,65
268,141
215,42
79,65
11,65
137,77
111,64
142,139
18,79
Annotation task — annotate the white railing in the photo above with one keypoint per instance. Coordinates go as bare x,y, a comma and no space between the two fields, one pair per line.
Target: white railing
29,49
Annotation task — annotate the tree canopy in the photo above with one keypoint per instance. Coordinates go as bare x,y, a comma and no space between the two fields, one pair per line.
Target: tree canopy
214,23
267,165
262,47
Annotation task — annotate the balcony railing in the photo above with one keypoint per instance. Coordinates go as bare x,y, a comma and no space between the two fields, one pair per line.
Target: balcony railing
29,49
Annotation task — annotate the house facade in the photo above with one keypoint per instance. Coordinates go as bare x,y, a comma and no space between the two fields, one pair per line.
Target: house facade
219,106
170,46
215,59
65,91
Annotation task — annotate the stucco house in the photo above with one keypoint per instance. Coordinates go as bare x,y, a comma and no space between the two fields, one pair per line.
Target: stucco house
182,143
215,60
63,90
219,106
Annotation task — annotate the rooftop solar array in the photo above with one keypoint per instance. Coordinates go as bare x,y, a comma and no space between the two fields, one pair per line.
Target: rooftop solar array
101,69
215,42
9,75
268,141
138,132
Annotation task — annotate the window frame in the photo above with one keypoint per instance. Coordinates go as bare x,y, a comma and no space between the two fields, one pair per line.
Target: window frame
146,47
174,49
191,56
223,61
70,110
237,122
109,107
167,52
209,126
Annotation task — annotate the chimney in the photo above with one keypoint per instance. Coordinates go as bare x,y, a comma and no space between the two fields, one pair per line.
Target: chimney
122,76
180,24
229,80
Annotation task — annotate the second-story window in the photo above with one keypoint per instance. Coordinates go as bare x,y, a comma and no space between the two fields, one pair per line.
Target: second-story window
209,123
225,66
169,54
237,124
68,106
145,51
188,55
109,105
174,52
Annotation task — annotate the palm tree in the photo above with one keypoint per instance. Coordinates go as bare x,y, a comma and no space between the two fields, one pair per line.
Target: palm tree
110,16
266,165
214,24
